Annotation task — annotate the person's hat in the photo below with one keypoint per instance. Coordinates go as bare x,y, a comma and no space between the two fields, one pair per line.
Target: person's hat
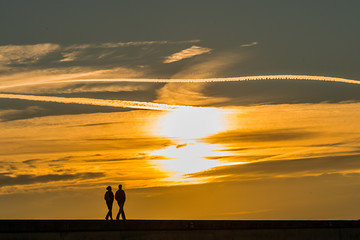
108,188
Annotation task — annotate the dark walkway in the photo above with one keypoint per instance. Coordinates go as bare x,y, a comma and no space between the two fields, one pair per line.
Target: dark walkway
178,229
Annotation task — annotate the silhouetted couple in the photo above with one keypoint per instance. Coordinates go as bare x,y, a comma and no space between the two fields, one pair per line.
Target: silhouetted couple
120,198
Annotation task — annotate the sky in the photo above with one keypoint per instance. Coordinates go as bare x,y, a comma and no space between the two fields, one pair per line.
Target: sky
200,109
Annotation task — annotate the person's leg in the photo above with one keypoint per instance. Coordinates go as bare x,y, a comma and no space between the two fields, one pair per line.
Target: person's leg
109,214
110,211
118,215
122,211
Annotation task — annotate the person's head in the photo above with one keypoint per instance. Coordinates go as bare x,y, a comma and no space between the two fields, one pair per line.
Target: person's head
120,186
108,188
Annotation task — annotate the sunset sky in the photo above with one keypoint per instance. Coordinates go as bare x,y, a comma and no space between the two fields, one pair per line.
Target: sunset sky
200,109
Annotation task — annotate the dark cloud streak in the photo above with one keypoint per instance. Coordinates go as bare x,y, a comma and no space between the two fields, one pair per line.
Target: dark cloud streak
280,92
235,136
27,179
290,167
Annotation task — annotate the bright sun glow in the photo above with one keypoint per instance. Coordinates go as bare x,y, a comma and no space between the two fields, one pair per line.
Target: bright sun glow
187,126
189,158
192,123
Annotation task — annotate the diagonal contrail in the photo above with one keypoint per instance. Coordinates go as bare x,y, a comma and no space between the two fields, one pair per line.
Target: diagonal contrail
158,106
97,102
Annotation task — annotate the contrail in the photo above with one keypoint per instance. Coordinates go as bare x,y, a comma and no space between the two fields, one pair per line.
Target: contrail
205,80
158,106
97,102
230,79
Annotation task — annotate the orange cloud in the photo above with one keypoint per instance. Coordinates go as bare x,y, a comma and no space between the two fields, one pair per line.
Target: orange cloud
249,44
187,53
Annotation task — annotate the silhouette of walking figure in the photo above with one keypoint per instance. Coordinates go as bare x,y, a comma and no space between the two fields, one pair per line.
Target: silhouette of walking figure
120,198
109,198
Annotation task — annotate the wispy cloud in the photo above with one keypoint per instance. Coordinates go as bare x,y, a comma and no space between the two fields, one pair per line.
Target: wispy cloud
187,53
249,44
186,94
21,54
128,44
19,81
27,54
213,65
100,50
82,88
70,56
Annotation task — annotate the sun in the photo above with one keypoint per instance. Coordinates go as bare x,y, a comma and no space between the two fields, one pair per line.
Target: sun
187,126
192,123
189,158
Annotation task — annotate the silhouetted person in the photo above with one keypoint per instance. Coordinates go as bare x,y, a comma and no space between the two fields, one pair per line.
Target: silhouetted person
109,198
120,198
